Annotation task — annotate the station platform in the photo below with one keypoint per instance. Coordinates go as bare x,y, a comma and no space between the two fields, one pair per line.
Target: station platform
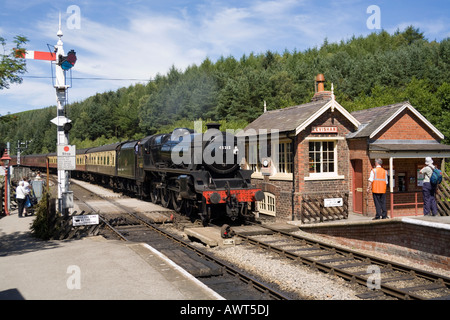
440,222
89,269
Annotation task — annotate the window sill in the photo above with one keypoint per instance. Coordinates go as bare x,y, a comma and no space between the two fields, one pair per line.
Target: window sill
325,177
277,176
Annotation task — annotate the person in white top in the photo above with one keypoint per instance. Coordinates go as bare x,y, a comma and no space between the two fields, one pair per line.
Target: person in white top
21,194
428,190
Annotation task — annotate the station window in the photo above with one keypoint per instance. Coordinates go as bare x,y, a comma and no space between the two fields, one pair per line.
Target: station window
321,156
323,160
251,154
285,157
268,205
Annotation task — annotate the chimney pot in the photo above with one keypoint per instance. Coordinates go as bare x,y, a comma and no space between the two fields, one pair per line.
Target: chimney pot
320,79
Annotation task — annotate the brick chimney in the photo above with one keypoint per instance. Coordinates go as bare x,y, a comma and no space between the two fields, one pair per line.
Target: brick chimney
321,94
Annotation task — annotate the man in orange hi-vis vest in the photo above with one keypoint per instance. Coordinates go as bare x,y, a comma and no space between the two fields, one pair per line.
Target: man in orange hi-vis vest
378,180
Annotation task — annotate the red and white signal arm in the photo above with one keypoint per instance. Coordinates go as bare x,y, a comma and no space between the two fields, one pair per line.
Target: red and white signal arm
39,55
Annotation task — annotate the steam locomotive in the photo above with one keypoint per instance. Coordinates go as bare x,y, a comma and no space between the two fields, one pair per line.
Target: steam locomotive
194,173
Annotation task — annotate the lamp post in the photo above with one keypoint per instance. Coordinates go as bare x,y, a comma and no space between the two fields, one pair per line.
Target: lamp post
6,158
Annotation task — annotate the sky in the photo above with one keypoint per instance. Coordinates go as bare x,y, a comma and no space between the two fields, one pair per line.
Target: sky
120,43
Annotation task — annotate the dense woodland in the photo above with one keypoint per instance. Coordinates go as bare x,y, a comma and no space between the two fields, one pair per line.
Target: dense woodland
367,72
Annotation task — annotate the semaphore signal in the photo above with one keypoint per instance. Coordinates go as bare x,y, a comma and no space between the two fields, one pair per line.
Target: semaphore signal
63,63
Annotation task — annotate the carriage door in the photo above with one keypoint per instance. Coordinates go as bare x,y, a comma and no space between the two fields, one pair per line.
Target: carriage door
357,186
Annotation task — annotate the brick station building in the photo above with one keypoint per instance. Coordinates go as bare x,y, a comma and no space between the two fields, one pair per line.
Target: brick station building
327,153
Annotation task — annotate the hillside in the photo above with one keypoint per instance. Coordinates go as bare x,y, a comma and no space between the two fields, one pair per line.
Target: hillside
370,71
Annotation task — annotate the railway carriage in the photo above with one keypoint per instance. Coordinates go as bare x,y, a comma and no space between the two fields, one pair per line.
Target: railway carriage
101,163
52,161
80,160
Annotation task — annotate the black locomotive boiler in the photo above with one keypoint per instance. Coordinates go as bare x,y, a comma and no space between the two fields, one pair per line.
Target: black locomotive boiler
199,173
194,173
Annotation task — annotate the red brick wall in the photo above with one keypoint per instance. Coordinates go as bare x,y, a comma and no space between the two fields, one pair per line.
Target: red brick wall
283,195
406,126
344,126
393,237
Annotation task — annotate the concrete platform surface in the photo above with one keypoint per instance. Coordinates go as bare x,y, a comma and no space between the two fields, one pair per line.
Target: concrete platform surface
92,268
442,222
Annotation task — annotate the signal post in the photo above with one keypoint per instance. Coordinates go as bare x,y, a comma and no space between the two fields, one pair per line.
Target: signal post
63,63
66,153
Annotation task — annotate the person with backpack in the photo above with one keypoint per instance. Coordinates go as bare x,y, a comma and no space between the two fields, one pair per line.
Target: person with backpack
429,188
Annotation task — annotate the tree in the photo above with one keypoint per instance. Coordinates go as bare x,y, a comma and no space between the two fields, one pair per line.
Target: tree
12,64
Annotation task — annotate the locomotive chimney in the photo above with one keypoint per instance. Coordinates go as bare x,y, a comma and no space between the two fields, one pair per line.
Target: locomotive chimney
213,125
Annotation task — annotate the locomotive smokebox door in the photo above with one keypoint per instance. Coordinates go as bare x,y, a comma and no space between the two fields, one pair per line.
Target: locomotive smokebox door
266,166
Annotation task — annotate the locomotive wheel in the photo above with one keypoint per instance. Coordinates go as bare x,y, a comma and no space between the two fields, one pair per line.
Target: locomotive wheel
165,198
176,201
155,195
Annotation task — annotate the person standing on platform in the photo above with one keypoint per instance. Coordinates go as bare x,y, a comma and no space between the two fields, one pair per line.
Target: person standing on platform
21,195
428,189
378,181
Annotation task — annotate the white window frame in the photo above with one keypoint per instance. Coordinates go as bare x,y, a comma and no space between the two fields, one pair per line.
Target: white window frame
287,166
325,175
268,206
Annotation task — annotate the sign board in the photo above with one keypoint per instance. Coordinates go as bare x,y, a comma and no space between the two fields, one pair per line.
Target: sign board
84,220
67,151
66,157
324,129
333,202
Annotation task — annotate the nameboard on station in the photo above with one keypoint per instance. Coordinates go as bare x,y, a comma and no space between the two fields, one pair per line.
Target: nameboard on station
324,129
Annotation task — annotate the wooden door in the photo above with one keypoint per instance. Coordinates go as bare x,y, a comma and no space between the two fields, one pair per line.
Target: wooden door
357,186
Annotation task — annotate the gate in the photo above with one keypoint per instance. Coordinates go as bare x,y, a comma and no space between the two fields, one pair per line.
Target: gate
320,207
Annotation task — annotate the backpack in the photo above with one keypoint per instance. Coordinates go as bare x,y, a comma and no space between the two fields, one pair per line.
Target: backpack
436,177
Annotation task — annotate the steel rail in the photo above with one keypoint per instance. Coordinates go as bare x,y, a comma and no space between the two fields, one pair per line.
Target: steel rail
374,260
364,260
255,283
225,266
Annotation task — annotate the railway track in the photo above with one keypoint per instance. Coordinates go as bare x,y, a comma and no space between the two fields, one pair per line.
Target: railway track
219,275
381,277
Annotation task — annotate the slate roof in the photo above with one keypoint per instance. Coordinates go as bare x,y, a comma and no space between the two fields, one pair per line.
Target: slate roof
374,119
371,119
287,119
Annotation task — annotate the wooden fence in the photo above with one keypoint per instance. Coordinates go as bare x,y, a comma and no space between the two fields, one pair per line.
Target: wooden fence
320,207
443,196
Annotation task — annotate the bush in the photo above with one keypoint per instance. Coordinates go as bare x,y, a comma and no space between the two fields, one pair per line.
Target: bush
44,226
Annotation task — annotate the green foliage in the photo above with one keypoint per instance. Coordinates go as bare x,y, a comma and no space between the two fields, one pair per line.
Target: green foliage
43,226
370,71
12,65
